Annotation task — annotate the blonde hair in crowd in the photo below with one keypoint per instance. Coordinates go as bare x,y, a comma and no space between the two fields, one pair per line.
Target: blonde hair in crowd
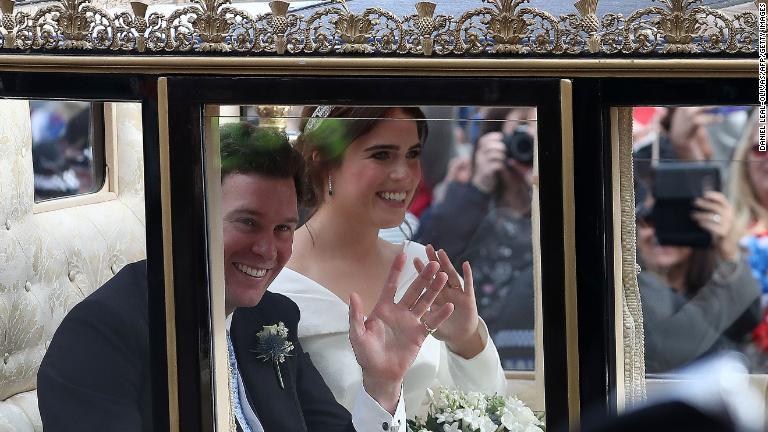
746,207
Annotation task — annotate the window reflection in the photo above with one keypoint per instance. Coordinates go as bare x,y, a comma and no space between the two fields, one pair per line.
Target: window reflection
474,201
65,161
701,225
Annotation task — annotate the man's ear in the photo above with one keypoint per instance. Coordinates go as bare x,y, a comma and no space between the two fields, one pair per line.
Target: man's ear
315,155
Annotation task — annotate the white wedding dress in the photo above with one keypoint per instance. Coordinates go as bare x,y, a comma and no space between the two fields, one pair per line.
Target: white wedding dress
324,334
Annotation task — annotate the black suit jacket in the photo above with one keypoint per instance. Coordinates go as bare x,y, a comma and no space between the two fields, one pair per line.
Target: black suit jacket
95,375
306,403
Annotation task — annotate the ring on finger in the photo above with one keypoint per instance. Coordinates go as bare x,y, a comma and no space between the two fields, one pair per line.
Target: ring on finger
430,330
715,218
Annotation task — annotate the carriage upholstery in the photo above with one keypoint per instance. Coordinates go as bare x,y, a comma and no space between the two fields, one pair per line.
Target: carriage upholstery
49,261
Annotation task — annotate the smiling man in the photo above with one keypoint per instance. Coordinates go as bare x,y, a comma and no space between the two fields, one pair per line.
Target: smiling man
95,375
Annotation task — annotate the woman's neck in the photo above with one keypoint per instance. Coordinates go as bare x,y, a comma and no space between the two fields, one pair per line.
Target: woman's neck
340,235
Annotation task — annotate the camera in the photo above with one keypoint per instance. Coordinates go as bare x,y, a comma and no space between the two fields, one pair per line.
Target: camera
676,185
520,144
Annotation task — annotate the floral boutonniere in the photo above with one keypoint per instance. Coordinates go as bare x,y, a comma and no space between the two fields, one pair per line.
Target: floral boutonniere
273,346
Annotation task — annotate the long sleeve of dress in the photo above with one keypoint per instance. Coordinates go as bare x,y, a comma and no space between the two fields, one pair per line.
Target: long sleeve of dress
482,373
679,331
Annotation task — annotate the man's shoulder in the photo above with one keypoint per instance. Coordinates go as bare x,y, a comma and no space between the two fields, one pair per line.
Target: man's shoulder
123,297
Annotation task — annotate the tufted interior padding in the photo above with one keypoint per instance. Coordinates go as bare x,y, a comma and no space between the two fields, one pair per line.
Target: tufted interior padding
50,261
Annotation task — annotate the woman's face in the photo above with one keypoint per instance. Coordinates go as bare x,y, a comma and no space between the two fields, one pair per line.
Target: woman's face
757,167
655,255
380,172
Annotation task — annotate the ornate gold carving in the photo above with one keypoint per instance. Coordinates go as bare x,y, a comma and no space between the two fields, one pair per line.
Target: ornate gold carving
581,31
131,29
498,27
505,29
681,27
425,32
7,24
339,29
72,24
210,21
745,35
278,31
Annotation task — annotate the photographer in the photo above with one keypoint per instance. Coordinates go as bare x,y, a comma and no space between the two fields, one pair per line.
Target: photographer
494,230
695,300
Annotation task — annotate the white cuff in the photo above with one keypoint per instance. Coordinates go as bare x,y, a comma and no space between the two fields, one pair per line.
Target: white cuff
481,373
369,416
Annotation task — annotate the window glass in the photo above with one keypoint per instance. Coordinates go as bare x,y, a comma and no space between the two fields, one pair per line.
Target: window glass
479,162
449,184
701,195
67,148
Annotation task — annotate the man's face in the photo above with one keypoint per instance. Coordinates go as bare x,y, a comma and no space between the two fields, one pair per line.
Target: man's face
260,216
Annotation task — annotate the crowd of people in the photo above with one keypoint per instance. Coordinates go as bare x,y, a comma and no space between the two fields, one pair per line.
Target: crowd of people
701,298
698,299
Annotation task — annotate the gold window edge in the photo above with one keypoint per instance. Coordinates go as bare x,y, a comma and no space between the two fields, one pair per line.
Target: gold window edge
324,66
221,402
569,253
170,303
618,254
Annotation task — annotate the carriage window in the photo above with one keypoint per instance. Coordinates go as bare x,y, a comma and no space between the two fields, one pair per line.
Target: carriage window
702,234
451,184
67,148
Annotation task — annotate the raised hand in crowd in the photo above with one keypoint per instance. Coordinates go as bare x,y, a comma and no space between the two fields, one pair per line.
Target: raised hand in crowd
490,159
716,216
688,134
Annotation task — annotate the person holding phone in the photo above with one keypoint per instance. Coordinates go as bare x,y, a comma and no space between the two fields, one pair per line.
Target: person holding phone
695,300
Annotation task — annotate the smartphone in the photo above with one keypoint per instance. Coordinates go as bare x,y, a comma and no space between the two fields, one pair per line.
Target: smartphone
676,185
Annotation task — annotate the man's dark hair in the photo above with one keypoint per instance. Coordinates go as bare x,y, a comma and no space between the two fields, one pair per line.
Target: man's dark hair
249,149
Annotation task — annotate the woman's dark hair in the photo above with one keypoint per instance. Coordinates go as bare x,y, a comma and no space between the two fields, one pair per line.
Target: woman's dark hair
701,268
324,144
248,149
494,119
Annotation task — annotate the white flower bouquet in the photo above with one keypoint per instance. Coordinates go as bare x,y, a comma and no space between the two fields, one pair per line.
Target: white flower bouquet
456,411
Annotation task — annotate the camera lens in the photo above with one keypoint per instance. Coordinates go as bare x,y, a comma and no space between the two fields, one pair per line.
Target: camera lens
520,145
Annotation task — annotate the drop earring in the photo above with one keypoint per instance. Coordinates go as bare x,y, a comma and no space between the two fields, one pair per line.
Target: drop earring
330,186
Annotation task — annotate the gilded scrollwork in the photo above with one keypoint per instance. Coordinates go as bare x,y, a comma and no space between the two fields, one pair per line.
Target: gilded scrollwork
339,29
745,36
7,24
581,32
206,25
278,31
424,32
71,24
679,27
130,28
507,28
496,27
